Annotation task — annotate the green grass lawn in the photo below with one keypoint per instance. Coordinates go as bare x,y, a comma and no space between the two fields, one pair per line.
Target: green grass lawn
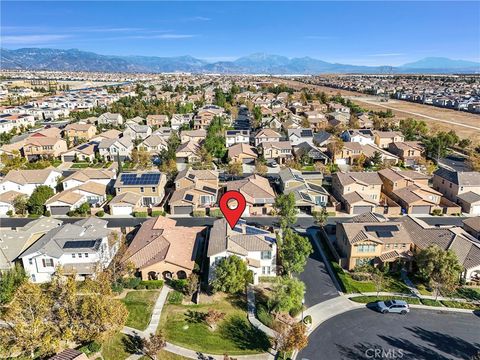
369,299
468,293
139,305
117,347
460,305
430,302
182,325
80,165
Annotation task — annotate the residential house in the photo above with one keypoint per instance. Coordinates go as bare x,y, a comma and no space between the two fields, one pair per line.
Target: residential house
43,147
410,190
162,249
81,248
109,134
100,176
81,152
279,151
383,139
114,149
322,139
7,200
110,119
359,192
136,131
25,181
157,120
266,135
69,354
472,226
242,153
361,136
316,119
233,137
69,200
309,153
178,120
258,194
300,135
410,152
194,190
257,247
150,185
461,187
16,240
205,115
193,135
188,153
310,196
153,144
78,131
125,203
377,242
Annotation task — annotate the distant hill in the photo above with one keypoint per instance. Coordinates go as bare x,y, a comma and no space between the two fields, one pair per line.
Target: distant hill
259,63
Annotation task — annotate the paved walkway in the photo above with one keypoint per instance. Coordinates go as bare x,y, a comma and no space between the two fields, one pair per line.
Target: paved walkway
251,314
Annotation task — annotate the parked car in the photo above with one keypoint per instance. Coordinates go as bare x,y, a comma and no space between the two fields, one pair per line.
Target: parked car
393,306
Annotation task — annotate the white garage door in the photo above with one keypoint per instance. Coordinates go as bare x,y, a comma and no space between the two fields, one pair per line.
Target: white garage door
4,209
476,210
121,210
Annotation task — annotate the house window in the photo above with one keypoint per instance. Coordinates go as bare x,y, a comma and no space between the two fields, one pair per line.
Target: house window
86,255
387,246
33,278
395,246
154,189
30,261
79,255
47,262
142,189
265,270
266,255
73,256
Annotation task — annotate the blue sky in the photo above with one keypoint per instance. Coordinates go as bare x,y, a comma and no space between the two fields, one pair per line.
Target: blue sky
364,33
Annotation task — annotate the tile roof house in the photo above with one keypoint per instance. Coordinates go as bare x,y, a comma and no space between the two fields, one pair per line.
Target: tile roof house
280,151
384,138
69,354
81,152
83,176
309,193
149,185
358,192
25,181
153,144
157,120
362,136
242,153
193,135
297,136
188,153
266,135
16,240
161,249
233,137
63,202
462,187
472,226
43,147
376,242
410,190
110,119
180,119
136,131
194,190
125,203
79,248
7,199
77,131
112,149
257,247
258,193
410,152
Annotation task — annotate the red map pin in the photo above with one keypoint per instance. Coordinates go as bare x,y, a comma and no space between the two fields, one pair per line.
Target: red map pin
232,215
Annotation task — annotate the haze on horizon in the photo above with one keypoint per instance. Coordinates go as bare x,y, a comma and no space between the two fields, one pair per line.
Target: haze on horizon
360,33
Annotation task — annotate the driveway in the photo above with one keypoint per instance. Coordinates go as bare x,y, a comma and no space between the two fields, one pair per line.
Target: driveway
319,285
419,335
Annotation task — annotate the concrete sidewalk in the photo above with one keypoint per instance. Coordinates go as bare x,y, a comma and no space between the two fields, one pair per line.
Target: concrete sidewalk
251,308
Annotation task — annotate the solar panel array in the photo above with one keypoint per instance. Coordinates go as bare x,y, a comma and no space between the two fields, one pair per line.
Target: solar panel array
191,176
255,231
79,244
140,179
271,239
189,197
209,189
83,146
306,133
238,229
305,197
382,231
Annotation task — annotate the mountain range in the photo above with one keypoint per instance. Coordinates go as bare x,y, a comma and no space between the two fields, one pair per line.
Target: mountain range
259,63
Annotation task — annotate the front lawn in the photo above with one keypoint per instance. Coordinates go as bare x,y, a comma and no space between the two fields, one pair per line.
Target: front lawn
430,302
80,165
183,325
460,305
468,293
369,299
120,346
139,305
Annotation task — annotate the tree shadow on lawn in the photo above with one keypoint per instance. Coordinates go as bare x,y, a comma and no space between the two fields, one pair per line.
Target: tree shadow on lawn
133,344
238,300
195,317
244,335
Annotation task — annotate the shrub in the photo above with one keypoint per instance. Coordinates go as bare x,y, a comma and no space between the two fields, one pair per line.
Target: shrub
175,297
9,212
140,287
48,213
307,320
94,347
199,213
361,276
215,213
295,311
140,214
158,213
264,315
178,284
117,287
437,212
151,284
131,283
101,213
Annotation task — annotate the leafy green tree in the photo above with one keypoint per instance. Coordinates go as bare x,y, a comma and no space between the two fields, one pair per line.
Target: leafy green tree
288,294
321,217
413,129
286,210
294,250
38,198
20,204
376,158
235,169
440,268
231,275
10,280
220,99
437,146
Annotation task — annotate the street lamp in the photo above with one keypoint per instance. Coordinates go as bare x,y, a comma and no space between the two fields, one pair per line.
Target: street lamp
303,303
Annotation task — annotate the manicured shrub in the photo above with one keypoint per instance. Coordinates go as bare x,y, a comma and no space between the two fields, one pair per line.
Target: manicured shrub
216,213
100,213
117,287
264,315
48,213
198,213
140,214
9,212
131,283
175,297
158,213
178,284
151,284
140,287
437,212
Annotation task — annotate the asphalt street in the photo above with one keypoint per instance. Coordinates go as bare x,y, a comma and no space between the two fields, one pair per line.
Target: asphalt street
318,283
302,222
420,335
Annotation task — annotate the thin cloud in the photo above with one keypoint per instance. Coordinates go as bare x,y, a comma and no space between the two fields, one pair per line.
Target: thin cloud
162,36
32,39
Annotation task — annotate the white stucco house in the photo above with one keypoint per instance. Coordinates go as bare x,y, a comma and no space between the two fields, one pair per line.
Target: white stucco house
25,181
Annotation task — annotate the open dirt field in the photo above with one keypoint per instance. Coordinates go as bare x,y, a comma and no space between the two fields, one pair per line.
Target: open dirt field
466,125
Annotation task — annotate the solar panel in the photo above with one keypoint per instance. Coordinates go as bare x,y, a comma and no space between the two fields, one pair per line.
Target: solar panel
209,189
238,229
83,146
271,239
306,133
241,221
380,228
255,231
189,197
298,178
305,197
384,234
79,244
140,179
191,176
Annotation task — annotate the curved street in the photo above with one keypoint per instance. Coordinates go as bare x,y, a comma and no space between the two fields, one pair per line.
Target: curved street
420,335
